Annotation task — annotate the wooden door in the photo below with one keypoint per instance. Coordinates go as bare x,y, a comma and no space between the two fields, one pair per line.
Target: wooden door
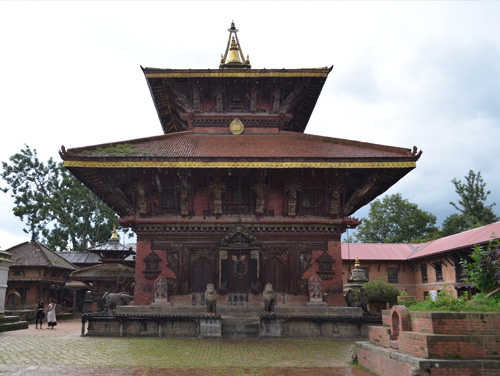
202,275
274,273
238,272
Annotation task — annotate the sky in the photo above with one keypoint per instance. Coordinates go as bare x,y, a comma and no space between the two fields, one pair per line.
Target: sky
404,74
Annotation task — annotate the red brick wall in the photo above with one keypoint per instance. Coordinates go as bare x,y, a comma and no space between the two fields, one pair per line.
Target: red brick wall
464,347
455,323
449,347
143,292
383,365
380,335
464,372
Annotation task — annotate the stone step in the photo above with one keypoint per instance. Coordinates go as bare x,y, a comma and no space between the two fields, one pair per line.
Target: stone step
240,327
9,326
8,319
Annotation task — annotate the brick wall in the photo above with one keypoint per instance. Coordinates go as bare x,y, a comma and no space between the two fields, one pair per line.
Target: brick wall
143,292
455,323
380,335
382,364
449,347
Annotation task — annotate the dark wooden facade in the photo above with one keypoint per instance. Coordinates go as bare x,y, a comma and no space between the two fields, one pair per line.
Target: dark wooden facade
234,193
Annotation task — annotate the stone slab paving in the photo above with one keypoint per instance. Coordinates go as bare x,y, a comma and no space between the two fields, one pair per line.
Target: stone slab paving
62,351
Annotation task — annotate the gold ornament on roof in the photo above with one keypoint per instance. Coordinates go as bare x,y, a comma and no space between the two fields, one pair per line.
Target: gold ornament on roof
114,235
236,58
236,127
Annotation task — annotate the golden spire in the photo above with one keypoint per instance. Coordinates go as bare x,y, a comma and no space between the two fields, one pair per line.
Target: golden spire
236,57
356,263
114,236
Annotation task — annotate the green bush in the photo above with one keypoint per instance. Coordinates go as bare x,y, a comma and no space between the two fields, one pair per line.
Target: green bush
445,302
381,292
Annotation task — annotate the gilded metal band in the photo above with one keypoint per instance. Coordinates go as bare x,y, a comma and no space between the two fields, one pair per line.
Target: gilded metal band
221,164
235,74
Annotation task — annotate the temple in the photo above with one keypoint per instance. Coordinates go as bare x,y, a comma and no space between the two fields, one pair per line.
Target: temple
234,193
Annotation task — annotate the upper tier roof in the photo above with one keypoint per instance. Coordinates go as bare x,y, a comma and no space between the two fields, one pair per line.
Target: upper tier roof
185,97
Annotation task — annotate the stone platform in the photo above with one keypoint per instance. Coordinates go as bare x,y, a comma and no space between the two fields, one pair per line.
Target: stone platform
171,320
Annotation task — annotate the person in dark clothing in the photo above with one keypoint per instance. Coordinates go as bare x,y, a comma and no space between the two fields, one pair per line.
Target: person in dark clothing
40,314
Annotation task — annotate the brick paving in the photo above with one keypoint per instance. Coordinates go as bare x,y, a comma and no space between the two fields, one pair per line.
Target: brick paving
62,351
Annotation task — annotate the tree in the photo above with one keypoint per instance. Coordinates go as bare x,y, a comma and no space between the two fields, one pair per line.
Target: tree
483,268
396,220
54,205
472,208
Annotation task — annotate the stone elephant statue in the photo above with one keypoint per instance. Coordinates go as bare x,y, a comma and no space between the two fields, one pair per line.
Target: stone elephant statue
111,300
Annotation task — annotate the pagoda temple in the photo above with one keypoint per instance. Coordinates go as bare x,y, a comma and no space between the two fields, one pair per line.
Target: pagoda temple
234,193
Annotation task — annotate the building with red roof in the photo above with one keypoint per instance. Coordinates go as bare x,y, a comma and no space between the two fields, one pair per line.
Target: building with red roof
420,268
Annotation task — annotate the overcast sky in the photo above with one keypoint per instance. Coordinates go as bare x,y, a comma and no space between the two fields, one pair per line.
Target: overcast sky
405,74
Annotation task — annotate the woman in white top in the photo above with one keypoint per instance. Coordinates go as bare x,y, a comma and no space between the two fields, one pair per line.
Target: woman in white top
51,314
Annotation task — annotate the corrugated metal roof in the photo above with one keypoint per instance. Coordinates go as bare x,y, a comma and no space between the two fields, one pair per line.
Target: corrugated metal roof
81,258
464,239
270,146
377,251
386,251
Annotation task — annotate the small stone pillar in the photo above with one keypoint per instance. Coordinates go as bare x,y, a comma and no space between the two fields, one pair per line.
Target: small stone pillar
5,263
270,327
210,327
357,280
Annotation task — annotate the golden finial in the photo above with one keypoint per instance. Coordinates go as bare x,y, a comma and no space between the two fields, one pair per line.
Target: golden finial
236,58
114,235
234,54
356,263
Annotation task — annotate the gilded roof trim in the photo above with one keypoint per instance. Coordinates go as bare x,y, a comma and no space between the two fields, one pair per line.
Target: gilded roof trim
236,74
228,164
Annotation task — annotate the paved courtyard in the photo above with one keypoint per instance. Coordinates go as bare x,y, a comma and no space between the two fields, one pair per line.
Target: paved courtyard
63,351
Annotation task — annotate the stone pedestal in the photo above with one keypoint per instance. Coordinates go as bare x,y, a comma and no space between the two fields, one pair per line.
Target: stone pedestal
161,303
316,304
210,328
5,262
270,327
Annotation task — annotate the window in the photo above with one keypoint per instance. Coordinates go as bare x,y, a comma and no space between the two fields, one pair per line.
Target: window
239,196
167,202
367,273
439,271
312,201
392,275
423,270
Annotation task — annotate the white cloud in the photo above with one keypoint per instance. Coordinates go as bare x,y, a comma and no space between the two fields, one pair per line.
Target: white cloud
405,73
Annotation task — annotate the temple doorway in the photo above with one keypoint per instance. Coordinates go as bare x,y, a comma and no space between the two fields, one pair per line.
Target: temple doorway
238,272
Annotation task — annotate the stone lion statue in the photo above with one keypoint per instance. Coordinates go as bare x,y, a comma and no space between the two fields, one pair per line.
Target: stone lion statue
269,299
211,300
111,300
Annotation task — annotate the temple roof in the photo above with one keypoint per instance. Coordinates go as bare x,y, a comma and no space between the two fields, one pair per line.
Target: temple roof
104,272
33,254
282,150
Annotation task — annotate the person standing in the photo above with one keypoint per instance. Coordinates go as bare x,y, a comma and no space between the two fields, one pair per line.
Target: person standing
51,314
40,314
